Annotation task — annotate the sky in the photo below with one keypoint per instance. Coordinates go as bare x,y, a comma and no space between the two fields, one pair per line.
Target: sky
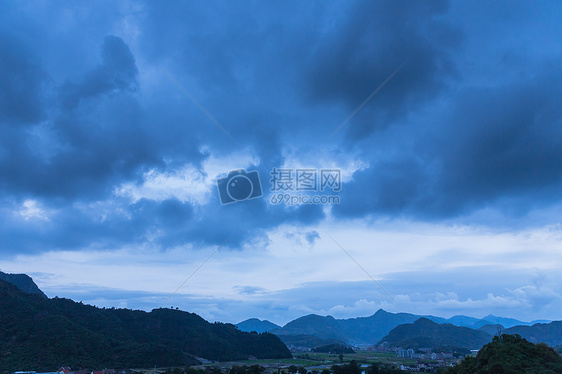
243,159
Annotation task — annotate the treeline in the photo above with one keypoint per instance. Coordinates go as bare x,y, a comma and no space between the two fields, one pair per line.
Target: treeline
244,369
511,354
43,334
351,368
375,368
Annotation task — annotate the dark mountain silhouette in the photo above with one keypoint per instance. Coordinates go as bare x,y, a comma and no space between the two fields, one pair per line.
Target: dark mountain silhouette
505,322
369,330
362,330
424,333
549,333
510,354
22,281
491,329
460,320
321,327
254,324
37,333
372,329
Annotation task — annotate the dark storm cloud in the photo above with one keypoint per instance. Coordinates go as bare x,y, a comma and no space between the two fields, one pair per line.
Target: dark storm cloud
505,141
22,83
117,72
388,187
373,40
99,113
493,144
99,137
83,153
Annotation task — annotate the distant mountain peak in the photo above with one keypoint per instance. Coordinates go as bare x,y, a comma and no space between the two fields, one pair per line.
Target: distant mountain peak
317,316
424,321
369,330
425,333
22,281
257,325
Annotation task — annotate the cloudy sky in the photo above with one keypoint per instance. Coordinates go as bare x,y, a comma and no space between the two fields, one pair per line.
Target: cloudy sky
442,119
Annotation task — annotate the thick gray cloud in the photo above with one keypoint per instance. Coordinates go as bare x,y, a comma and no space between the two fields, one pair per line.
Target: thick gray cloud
491,144
370,41
85,108
22,83
117,73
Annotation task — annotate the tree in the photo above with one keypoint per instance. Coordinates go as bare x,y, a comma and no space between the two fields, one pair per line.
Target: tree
237,369
511,354
373,369
255,369
353,368
341,357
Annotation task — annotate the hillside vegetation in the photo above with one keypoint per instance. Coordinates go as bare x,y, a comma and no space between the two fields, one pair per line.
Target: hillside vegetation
511,354
37,333
426,333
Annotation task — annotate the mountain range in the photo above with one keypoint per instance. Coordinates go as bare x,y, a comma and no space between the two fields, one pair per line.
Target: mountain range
40,333
424,333
364,330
